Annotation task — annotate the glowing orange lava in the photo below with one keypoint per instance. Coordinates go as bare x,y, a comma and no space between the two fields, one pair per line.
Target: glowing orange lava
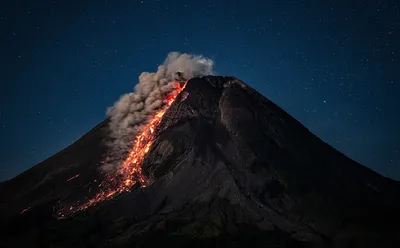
72,178
130,172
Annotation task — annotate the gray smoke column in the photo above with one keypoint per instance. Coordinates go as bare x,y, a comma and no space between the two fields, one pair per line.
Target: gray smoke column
131,112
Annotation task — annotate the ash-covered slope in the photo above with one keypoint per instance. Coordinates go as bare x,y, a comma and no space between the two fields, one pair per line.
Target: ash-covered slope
228,168
56,178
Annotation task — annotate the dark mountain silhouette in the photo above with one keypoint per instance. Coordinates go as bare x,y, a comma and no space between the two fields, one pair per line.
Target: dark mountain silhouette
228,168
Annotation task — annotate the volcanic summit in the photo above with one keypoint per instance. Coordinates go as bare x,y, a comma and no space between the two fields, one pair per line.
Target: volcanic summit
225,167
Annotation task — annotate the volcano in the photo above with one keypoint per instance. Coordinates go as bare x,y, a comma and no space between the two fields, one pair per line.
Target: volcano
227,167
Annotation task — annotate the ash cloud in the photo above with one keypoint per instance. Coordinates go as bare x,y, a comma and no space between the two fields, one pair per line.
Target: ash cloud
132,111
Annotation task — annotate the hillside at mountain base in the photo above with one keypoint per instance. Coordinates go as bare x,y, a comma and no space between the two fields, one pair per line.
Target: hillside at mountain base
227,168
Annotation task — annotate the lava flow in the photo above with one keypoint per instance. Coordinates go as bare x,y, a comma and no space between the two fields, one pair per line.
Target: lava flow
130,172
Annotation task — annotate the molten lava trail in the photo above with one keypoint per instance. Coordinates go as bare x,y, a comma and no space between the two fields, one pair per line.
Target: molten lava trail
130,172
72,178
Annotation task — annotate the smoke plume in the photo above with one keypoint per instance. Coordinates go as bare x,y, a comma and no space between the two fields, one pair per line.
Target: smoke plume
131,112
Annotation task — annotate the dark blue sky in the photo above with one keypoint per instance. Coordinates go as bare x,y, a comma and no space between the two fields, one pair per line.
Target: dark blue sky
333,66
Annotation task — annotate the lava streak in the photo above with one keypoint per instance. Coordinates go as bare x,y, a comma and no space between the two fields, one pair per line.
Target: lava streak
72,178
130,172
25,210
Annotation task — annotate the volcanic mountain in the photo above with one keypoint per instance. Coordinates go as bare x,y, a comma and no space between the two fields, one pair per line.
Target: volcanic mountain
227,167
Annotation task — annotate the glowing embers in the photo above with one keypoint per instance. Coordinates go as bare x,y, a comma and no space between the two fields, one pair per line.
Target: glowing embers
130,172
72,178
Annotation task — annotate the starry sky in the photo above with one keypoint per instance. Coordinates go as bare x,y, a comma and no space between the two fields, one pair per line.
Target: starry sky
333,65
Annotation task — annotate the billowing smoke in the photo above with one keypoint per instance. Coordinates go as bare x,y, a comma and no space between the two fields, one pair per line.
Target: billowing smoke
131,112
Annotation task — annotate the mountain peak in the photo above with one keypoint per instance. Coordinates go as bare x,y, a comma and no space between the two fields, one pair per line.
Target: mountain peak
227,167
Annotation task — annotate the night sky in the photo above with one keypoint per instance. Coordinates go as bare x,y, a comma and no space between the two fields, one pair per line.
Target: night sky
333,66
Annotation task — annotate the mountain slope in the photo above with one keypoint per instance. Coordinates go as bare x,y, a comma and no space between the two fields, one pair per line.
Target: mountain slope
227,167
